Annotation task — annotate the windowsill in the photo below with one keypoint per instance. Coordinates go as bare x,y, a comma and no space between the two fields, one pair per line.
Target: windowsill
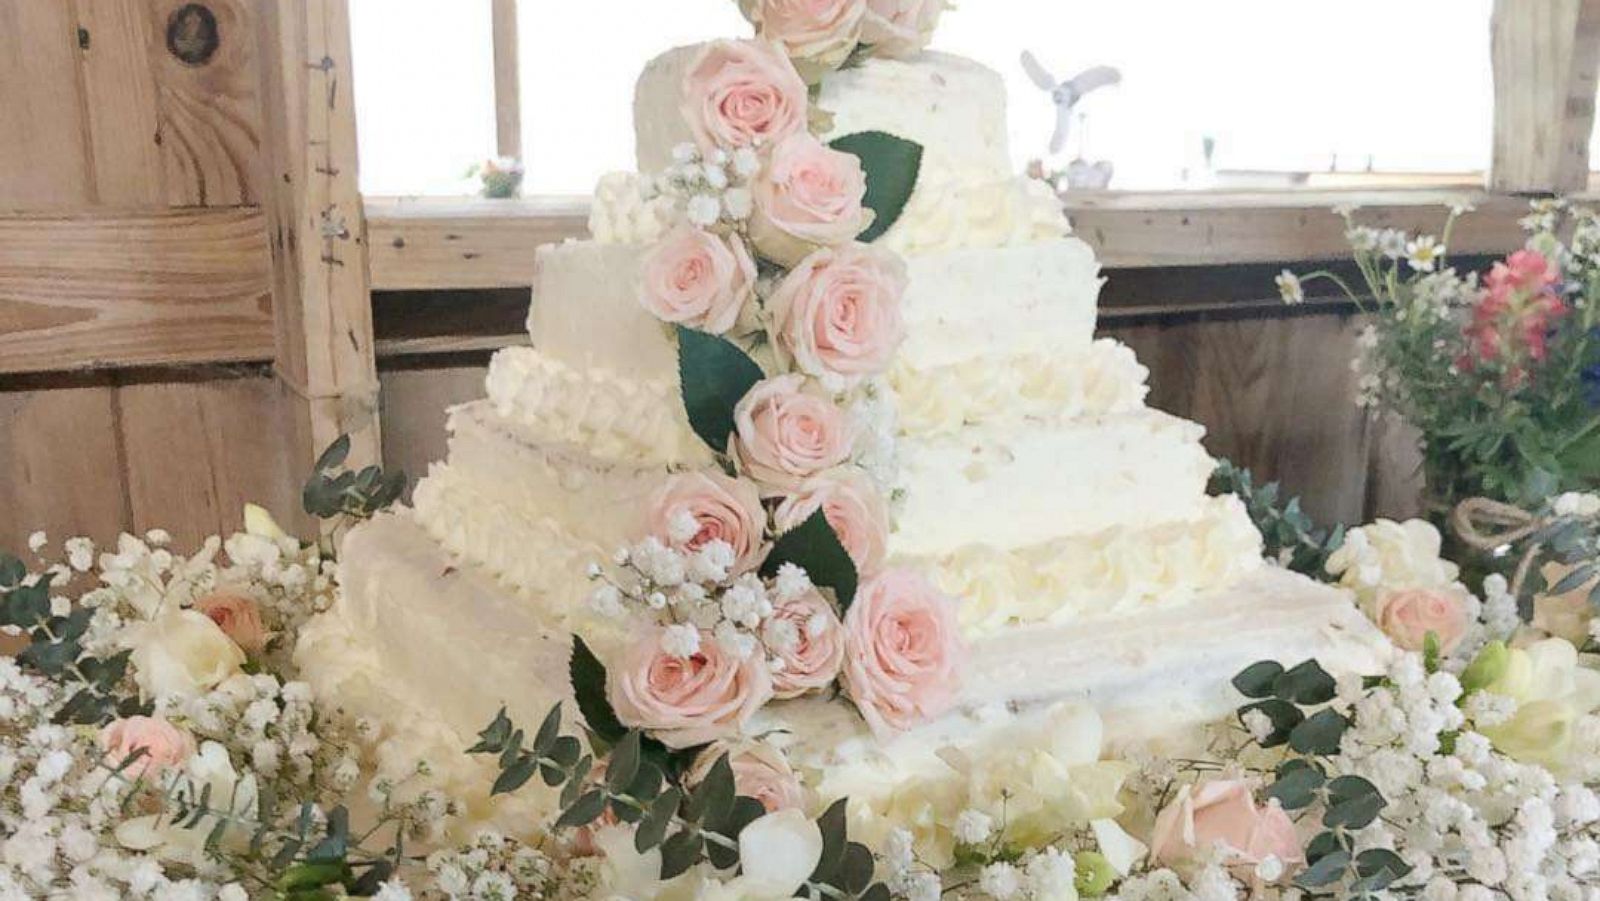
431,243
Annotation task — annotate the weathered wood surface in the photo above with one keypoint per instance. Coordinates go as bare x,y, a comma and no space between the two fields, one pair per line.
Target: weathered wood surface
507,79
94,289
1546,54
428,243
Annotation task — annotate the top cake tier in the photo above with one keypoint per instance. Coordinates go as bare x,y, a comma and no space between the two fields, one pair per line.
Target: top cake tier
954,107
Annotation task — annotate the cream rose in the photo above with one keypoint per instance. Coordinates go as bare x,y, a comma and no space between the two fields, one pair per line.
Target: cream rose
1389,555
697,279
238,617
854,508
760,771
1552,690
687,701
721,508
1408,615
817,34
784,434
743,94
900,28
181,654
814,660
164,745
903,651
838,313
809,197
1224,812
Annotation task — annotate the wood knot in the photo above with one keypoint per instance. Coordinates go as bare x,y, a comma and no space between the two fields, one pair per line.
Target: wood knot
192,34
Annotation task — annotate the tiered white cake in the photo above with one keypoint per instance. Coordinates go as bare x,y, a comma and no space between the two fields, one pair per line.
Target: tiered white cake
1069,519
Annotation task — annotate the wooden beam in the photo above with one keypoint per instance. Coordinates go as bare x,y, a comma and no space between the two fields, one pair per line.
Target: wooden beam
96,289
424,243
1545,55
318,233
507,80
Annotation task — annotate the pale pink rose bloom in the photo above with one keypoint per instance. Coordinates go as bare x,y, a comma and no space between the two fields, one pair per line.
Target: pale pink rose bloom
164,744
1224,811
697,279
854,508
743,94
726,509
809,197
900,28
687,701
784,434
1408,616
903,651
838,313
238,617
818,653
760,771
819,33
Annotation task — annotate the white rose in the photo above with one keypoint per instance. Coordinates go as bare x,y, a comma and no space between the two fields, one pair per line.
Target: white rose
776,855
1389,555
1552,690
181,653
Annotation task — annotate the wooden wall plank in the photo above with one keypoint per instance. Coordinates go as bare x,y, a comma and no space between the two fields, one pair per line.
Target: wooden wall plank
61,466
426,243
120,102
197,452
210,113
1546,54
507,79
415,402
44,156
131,289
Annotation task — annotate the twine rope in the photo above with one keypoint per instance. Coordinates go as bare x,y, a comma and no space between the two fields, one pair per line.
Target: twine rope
1489,525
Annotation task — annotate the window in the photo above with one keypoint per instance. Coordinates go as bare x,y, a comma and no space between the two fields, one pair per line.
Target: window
1282,93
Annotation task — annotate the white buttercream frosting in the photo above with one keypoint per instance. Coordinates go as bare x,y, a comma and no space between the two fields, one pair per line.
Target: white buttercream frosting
586,312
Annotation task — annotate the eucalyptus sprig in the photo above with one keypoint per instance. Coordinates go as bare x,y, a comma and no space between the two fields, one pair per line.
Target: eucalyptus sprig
1289,535
333,492
689,824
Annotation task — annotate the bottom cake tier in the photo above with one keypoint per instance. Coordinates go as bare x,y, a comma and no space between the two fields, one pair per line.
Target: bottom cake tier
429,647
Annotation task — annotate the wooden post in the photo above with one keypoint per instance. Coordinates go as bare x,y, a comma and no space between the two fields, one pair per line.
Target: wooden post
507,81
317,229
1545,55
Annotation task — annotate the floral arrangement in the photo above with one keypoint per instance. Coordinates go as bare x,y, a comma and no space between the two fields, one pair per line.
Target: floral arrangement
822,36
1501,374
500,177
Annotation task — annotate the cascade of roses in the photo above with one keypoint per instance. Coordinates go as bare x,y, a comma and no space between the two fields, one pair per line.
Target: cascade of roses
791,284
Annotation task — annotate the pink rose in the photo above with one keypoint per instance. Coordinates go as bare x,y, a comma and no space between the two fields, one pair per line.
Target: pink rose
810,196
1224,811
903,651
687,701
813,661
720,507
900,28
1408,616
760,771
783,434
742,94
854,508
838,312
818,34
238,617
697,279
164,744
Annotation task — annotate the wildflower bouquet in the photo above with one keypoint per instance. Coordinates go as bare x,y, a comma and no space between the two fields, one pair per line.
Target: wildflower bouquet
1500,373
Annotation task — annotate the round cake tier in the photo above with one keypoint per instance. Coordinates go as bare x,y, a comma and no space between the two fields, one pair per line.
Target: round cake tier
954,107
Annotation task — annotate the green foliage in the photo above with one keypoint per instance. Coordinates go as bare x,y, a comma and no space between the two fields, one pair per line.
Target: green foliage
687,823
892,166
333,491
815,547
715,375
55,649
1288,534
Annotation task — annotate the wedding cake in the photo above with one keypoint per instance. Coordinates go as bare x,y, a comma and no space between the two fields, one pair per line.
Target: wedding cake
967,438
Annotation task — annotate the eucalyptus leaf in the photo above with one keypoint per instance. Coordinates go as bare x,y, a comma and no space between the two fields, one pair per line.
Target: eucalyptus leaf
583,811
623,764
12,571
712,799
549,730
1306,684
1283,715
679,852
1323,844
1320,734
1297,789
514,776
1257,679
1330,868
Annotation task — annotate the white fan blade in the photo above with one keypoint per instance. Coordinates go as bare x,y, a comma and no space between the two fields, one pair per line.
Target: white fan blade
1063,125
1037,73
1093,79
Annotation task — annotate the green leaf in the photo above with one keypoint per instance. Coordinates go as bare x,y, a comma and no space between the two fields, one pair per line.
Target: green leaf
588,677
680,852
583,811
1353,803
1430,652
1256,680
1319,735
334,455
549,730
514,776
815,547
1283,715
892,166
1576,579
1297,788
1330,868
745,811
856,873
653,827
12,571
1306,684
833,825
1323,844
712,799
623,763
1378,861
715,375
